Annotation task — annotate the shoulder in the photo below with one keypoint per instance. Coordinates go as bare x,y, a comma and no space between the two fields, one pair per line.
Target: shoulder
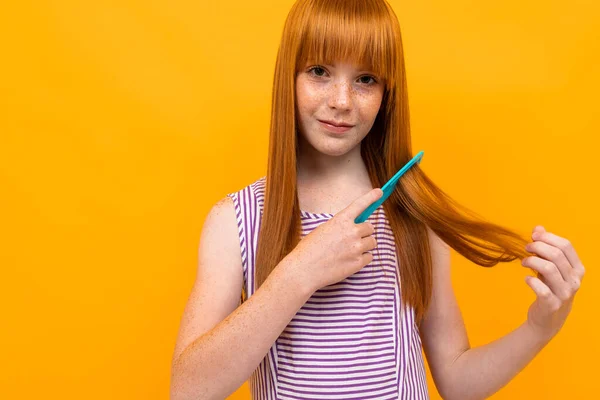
220,228
221,210
440,260
222,206
438,247
224,224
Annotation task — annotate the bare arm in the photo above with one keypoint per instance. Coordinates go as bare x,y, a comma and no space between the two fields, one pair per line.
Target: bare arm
459,371
220,345
482,371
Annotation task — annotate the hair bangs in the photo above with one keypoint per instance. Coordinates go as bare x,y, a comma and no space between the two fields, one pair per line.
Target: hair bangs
356,31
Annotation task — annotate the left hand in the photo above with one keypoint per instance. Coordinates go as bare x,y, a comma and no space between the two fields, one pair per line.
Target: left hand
560,273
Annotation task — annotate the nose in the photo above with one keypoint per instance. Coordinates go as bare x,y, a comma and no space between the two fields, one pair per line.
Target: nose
340,96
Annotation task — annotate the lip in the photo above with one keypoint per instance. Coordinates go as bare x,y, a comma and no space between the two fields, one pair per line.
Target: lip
334,124
335,128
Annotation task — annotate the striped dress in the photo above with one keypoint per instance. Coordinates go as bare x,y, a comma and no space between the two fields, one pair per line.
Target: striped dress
351,340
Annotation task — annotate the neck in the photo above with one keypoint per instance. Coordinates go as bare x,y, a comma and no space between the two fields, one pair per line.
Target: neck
315,168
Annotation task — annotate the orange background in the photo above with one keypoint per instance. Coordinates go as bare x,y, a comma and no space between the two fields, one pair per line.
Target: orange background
122,123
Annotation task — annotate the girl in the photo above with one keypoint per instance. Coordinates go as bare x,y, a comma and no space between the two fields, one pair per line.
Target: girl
294,295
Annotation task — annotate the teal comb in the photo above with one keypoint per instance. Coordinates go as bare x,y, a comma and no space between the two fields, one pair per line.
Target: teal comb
388,188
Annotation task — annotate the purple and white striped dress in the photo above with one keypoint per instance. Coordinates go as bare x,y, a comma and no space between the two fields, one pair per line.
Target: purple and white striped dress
351,340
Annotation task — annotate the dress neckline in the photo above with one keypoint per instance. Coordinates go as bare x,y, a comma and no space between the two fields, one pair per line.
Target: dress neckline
311,215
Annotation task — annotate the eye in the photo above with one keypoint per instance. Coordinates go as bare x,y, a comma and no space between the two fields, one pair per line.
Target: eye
369,77
316,68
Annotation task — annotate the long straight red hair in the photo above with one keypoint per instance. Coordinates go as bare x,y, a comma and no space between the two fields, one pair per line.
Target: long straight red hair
367,32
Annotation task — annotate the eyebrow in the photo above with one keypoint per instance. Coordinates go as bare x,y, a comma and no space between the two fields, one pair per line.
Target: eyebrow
361,68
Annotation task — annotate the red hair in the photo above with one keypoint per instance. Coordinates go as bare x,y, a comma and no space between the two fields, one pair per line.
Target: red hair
367,32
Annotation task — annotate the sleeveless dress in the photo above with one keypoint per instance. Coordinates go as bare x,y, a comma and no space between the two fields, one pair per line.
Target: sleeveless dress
351,340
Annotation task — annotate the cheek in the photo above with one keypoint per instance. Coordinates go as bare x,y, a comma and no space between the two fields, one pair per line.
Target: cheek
370,106
303,99
308,97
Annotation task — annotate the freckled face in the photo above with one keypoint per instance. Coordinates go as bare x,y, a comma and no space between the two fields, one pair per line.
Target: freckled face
343,94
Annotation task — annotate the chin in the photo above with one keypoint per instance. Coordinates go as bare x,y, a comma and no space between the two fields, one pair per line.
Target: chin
334,150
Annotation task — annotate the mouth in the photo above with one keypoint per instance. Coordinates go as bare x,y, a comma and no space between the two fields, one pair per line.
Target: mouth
336,124
337,129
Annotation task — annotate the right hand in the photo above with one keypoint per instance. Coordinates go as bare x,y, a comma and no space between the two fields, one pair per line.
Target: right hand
337,248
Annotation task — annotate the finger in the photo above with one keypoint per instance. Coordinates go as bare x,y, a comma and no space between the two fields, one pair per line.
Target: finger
555,255
565,246
366,258
361,203
551,276
545,297
369,244
365,229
